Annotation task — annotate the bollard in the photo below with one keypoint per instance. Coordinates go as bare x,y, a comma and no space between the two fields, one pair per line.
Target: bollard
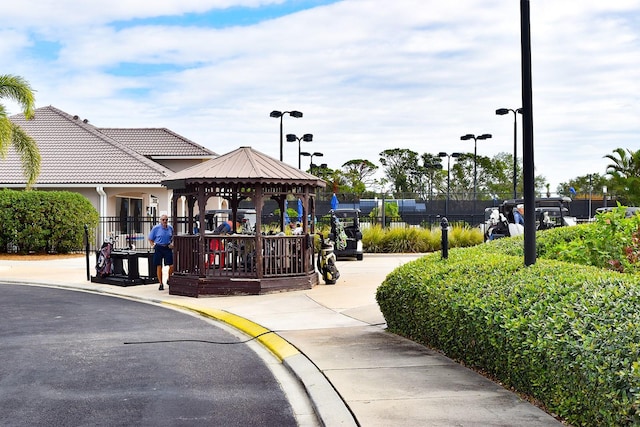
444,224
86,249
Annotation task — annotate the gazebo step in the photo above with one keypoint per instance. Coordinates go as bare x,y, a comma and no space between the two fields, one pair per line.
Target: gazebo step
193,286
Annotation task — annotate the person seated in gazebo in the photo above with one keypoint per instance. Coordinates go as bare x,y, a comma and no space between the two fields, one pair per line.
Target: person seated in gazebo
296,229
216,246
225,228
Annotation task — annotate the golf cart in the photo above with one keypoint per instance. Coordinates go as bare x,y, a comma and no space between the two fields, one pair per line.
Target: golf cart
346,233
550,212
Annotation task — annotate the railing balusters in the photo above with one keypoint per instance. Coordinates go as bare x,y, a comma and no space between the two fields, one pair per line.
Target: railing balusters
234,255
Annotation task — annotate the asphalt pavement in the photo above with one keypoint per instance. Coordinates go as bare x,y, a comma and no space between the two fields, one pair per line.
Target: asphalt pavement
333,339
87,359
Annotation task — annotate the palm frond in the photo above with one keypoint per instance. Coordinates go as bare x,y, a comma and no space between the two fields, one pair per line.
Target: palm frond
5,135
29,154
19,90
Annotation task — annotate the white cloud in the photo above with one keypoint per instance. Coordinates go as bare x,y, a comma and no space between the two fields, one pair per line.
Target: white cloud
368,77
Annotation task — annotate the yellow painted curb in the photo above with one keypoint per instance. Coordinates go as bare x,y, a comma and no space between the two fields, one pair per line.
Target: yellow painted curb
271,340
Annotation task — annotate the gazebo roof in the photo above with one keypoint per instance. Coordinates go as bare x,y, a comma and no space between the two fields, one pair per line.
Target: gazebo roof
242,166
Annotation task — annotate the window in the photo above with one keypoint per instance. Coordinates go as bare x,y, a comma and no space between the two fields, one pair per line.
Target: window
129,210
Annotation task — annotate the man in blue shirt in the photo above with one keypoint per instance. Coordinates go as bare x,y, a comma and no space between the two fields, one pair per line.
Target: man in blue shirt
161,239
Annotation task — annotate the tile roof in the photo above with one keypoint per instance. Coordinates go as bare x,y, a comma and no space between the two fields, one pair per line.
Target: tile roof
243,165
76,152
158,142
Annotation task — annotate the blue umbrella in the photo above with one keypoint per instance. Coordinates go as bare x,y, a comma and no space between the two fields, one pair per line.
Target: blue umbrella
299,211
334,202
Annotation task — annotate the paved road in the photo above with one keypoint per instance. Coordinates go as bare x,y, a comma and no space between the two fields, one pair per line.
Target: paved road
75,358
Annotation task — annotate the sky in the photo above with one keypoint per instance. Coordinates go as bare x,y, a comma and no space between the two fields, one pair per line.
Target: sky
368,75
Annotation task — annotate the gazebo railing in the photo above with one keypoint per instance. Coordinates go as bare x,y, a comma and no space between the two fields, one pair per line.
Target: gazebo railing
235,256
185,254
284,255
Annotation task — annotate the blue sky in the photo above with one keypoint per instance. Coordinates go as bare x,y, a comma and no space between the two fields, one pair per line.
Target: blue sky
368,75
239,15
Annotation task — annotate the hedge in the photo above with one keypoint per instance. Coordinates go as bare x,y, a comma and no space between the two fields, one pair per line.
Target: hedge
44,221
567,335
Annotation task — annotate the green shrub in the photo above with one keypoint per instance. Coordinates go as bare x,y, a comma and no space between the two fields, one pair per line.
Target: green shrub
464,236
611,241
401,240
416,240
566,334
430,240
372,239
44,221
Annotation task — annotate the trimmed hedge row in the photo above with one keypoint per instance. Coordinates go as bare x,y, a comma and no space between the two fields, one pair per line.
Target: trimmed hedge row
565,334
44,221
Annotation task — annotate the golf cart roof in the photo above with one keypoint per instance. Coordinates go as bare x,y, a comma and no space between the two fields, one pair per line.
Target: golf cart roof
345,210
539,202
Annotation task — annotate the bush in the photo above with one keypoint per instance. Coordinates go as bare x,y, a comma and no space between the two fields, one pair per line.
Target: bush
564,333
44,221
611,242
416,240
372,239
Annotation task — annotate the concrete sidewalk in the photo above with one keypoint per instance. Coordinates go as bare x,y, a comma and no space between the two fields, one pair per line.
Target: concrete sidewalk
333,339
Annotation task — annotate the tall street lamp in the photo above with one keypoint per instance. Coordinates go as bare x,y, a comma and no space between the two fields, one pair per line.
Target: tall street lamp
279,115
502,112
475,155
307,137
448,156
312,155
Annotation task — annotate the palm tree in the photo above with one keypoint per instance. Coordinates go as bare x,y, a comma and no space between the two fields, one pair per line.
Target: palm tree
19,90
625,175
626,164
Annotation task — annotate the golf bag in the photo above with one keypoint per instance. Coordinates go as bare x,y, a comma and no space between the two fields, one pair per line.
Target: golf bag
104,266
327,262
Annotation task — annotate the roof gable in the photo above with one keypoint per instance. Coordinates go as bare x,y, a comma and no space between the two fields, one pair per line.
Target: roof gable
158,143
76,152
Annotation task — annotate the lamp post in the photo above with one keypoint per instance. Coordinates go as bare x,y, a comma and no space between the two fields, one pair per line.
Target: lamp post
279,115
312,155
502,112
448,156
307,137
528,169
475,154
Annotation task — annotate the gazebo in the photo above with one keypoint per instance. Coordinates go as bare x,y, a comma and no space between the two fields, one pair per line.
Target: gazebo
241,263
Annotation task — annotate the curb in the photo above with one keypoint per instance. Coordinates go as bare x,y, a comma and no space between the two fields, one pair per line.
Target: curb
330,409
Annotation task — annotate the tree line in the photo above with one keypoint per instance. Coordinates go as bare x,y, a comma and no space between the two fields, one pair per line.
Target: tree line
425,177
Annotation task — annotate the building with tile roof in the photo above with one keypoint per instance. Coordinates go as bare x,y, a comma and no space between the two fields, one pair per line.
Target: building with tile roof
118,170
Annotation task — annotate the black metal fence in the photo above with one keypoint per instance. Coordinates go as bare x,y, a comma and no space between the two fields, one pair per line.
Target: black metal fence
131,232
